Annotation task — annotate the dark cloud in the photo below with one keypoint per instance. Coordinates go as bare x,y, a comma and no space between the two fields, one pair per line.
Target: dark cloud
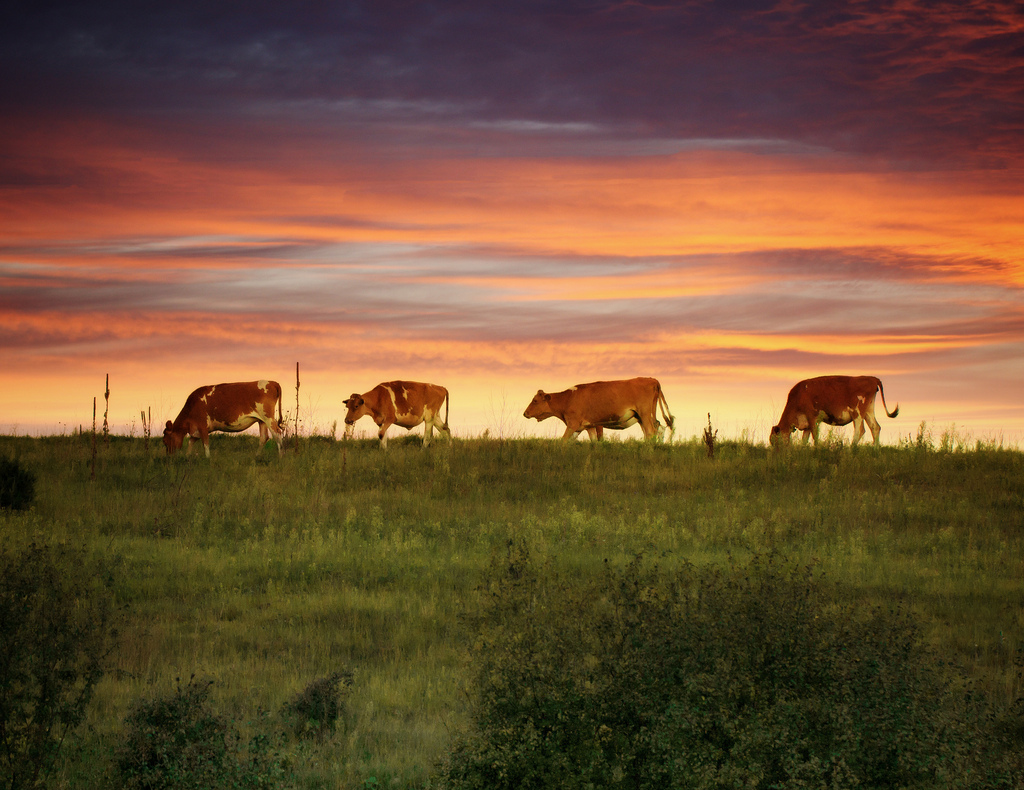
927,80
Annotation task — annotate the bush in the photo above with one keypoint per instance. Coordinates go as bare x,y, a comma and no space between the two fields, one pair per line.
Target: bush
751,677
17,485
55,617
179,742
314,712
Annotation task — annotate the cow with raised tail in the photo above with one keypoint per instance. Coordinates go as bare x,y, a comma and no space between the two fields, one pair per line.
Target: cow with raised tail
833,400
227,407
598,405
403,403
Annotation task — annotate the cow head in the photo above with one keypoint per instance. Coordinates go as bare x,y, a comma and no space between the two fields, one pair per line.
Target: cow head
540,407
779,437
172,438
356,408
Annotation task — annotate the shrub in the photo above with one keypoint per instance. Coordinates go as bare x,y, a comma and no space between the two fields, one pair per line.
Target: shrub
314,711
178,742
750,677
55,633
17,485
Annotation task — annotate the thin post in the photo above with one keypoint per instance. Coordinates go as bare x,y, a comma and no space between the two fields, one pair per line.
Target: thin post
106,408
93,475
296,407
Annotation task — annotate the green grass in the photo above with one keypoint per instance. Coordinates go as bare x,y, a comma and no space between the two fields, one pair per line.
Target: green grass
264,574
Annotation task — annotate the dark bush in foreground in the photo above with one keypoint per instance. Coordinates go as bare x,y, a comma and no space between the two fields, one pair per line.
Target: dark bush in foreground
55,616
314,712
179,742
754,677
17,485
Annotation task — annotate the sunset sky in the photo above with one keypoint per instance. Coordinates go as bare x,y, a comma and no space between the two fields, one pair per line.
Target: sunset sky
506,196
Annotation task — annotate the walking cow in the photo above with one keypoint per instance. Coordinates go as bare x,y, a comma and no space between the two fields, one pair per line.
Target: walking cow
604,404
833,400
402,403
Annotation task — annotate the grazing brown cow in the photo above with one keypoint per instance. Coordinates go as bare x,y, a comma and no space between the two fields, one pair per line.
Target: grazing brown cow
833,400
604,404
227,407
403,403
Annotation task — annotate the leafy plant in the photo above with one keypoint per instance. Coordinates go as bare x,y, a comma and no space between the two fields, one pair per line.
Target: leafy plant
178,742
314,711
751,677
17,485
55,633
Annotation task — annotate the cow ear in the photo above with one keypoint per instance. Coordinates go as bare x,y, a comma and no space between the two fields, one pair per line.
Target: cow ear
168,426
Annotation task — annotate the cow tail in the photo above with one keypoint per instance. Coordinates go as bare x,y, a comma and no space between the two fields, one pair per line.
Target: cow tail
669,419
881,391
447,404
280,416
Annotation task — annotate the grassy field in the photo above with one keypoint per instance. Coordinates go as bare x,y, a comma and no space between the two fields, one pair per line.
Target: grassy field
264,574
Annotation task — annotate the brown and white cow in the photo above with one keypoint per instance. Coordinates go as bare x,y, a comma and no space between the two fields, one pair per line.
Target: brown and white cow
833,400
402,403
227,407
604,404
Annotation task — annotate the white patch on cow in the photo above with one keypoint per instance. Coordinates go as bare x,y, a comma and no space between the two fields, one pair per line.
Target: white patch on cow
263,384
399,416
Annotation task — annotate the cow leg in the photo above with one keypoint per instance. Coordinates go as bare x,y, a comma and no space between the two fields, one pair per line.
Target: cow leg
648,424
382,434
428,431
571,433
204,437
278,434
876,429
594,432
263,437
435,422
872,423
858,428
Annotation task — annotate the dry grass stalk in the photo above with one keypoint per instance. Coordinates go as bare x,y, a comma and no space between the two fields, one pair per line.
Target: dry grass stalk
710,438
93,473
106,409
296,407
